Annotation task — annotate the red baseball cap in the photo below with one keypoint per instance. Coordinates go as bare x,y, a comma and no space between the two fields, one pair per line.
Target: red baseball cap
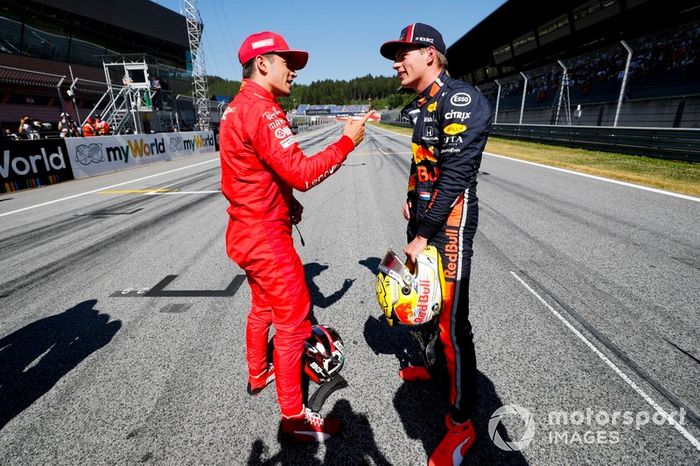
268,42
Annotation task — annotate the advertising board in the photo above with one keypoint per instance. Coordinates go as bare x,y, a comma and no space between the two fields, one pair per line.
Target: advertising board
104,154
33,163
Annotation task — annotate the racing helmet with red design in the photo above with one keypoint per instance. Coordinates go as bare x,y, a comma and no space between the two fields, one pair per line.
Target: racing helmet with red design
323,354
411,293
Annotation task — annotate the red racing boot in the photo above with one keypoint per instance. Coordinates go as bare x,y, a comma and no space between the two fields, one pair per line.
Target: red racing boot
455,445
257,383
309,427
415,374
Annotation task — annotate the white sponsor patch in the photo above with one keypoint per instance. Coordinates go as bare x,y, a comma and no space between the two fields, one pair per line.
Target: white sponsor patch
227,111
461,99
288,142
457,115
262,43
277,123
272,114
281,133
327,173
452,140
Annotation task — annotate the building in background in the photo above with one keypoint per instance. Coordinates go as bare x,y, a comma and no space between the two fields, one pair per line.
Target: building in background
563,62
50,49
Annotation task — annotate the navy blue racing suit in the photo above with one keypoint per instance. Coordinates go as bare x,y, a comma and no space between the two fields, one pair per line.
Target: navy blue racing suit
451,121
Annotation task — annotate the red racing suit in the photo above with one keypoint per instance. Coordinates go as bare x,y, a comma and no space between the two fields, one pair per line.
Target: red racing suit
261,163
88,130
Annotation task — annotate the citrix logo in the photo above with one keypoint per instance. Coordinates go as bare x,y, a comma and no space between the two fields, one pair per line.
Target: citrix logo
457,115
33,163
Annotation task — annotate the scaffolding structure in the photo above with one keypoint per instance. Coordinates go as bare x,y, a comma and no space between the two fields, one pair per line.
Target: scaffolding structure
200,91
564,98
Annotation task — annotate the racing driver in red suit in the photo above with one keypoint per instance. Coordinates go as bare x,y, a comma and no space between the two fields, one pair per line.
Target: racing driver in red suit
261,163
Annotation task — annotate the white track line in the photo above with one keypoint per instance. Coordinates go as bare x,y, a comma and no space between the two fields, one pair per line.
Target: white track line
614,367
390,131
599,178
105,188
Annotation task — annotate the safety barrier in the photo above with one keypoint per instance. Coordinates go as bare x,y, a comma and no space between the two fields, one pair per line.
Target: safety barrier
665,143
33,163
105,154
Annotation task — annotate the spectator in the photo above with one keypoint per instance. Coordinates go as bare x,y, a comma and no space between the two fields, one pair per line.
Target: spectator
26,130
22,129
101,126
9,135
89,127
37,128
66,126
157,96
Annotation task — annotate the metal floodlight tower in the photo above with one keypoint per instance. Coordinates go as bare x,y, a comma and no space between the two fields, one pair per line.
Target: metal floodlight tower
200,91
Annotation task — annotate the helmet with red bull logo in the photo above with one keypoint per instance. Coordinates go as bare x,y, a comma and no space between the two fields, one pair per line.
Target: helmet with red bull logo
411,293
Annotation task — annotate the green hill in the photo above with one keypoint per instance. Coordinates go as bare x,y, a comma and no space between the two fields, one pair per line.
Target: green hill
382,90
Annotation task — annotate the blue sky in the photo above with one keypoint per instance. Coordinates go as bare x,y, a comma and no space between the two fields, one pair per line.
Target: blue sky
342,38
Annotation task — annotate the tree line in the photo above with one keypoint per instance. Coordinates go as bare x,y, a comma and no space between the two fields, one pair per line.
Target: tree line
381,91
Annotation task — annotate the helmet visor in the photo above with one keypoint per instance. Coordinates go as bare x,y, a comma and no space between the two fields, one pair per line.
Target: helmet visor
391,265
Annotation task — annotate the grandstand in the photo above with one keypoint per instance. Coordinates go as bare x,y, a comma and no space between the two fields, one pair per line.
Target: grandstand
51,47
627,63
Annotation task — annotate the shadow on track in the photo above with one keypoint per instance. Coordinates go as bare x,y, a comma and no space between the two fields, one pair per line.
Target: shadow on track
289,455
395,340
422,405
35,357
484,450
423,416
314,269
355,445
372,263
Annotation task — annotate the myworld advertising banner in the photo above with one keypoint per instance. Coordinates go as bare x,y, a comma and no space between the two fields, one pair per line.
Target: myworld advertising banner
104,154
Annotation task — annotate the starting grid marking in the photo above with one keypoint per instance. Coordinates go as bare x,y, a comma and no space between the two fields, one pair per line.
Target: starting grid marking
159,291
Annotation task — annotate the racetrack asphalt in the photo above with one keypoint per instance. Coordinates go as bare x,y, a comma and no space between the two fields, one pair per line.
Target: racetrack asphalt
584,303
